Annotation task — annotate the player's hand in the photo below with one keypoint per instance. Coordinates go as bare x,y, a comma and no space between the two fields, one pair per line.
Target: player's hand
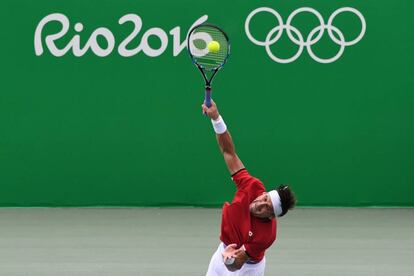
239,255
211,112
228,252
229,257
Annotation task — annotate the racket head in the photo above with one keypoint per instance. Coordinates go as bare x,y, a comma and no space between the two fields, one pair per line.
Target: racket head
197,44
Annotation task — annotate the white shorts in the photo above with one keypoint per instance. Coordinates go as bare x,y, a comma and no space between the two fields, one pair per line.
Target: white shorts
217,267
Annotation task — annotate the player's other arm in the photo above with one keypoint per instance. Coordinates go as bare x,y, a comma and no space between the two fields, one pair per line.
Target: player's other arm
224,139
239,257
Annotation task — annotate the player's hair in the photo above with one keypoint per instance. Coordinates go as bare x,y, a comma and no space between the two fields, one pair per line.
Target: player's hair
287,198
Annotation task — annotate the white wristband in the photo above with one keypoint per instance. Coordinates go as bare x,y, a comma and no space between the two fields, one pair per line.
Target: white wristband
219,125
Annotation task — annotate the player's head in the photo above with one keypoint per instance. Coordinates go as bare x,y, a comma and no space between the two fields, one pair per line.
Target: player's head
283,199
274,203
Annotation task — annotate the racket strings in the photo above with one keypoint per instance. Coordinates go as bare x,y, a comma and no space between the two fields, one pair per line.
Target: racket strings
199,40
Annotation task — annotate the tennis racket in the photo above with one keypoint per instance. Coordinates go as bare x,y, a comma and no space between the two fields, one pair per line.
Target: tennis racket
209,49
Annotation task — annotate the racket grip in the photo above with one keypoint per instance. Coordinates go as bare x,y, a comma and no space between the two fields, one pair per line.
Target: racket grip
207,99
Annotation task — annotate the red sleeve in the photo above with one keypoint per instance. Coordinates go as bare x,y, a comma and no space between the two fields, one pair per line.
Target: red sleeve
256,248
252,186
255,251
242,179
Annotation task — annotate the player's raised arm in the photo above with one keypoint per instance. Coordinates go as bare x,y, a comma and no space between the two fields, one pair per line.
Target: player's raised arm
223,138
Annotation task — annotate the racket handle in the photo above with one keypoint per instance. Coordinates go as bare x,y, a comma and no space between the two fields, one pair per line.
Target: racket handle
207,99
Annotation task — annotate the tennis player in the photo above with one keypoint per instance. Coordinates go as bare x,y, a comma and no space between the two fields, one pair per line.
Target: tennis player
248,225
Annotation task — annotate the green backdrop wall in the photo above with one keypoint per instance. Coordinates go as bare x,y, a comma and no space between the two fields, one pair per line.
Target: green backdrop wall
89,119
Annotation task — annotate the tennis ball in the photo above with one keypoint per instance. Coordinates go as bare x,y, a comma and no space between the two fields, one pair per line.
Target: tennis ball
229,261
213,46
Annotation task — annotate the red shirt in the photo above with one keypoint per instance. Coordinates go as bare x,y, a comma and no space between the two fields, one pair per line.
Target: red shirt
238,226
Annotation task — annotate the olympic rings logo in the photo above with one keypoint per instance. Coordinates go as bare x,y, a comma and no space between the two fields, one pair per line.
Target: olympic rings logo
314,36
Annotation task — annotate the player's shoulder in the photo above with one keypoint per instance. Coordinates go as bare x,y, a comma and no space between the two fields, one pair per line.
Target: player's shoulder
242,174
243,179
